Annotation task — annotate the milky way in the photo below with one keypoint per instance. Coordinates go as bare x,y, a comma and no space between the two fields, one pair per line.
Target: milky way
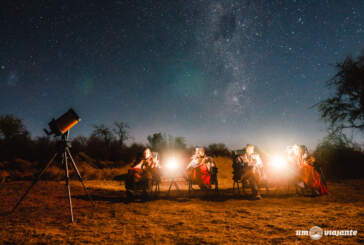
213,71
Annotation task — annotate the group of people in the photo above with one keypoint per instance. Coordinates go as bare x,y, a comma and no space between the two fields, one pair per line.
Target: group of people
249,166
202,169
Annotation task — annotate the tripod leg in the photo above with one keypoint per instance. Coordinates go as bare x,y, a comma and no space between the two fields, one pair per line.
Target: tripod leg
80,177
175,184
170,186
189,186
34,182
68,183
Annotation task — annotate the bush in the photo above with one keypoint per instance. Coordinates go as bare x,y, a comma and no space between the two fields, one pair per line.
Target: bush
340,158
218,149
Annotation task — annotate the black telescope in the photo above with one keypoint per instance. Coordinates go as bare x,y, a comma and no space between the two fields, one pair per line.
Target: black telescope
62,124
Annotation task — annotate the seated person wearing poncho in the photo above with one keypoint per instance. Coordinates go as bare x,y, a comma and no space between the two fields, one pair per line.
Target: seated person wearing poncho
253,169
307,176
200,167
144,169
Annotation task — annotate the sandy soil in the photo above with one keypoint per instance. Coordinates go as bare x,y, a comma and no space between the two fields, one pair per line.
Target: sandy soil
226,218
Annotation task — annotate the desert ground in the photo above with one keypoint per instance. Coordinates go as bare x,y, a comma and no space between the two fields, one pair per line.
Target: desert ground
223,218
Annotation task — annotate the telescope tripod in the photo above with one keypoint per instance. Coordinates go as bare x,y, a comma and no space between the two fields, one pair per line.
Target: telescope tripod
173,183
63,155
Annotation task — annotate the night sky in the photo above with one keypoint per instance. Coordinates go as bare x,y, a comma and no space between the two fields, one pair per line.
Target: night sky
235,72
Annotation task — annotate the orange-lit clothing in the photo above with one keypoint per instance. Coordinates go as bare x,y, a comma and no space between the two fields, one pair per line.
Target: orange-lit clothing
142,169
147,163
200,168
201,176
136,174
312,178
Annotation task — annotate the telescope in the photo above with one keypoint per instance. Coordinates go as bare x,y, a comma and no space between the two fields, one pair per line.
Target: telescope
61,125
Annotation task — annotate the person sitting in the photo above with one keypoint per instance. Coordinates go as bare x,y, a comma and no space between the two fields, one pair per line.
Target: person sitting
253,169
196,158
200,168
238,166
295,159
156,169
143,169
308,177
156,160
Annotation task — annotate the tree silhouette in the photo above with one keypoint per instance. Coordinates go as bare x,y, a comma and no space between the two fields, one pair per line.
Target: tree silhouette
103,132
160,141
180,143
121,130
10,127
345,109
14,138
79,144
218,149
157,141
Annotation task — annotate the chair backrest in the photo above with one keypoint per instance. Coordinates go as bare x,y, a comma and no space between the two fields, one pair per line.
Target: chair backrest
156,158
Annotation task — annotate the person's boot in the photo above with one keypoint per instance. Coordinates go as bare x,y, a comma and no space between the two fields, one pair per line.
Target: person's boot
258,197
315,193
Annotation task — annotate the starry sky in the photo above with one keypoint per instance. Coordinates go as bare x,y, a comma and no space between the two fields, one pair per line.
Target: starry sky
227,71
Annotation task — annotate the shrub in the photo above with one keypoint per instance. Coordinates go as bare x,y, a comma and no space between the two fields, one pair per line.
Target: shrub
340,158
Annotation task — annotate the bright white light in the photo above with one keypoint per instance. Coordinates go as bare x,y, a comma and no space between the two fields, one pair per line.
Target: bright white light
172,164
279,162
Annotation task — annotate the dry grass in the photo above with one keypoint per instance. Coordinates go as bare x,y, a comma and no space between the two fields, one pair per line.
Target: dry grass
226,218
43,217
56,173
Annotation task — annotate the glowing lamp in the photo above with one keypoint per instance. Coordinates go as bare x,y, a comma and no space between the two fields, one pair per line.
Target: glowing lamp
62,124
172,164
279,162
